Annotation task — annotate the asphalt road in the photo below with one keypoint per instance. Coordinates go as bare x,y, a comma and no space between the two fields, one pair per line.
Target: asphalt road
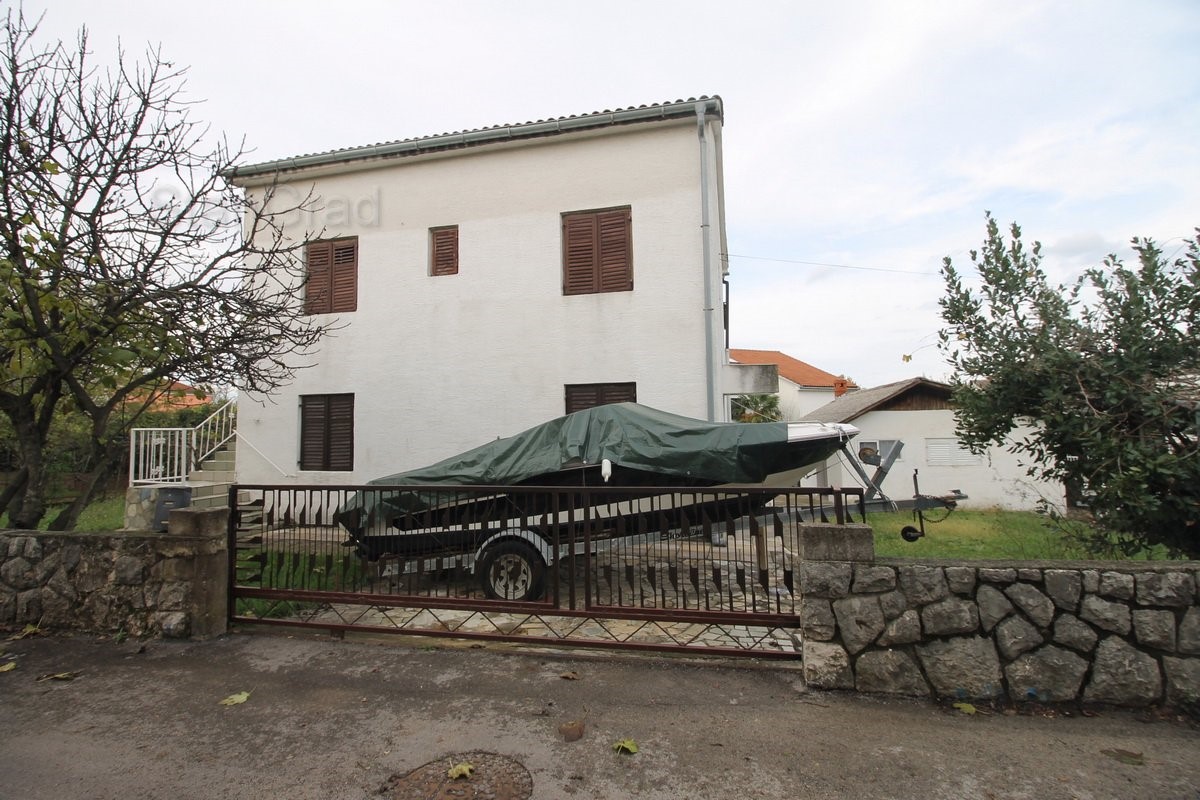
328,718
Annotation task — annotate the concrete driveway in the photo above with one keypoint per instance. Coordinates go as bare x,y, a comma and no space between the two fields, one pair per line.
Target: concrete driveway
328,718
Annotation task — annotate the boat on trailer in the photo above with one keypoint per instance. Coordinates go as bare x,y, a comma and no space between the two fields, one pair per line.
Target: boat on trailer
615,456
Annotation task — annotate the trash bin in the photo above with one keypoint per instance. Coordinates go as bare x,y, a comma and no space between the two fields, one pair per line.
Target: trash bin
170,497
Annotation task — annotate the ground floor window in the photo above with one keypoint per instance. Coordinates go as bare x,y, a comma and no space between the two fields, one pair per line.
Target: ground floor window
590,395
327,432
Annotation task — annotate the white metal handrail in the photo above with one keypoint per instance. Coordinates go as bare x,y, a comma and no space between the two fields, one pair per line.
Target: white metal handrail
209,435
159,455
168,455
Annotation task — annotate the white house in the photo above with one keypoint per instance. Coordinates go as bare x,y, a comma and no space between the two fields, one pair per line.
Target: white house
802,387
493,279
917,413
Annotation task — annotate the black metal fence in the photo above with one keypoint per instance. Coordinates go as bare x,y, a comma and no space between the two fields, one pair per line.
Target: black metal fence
638,567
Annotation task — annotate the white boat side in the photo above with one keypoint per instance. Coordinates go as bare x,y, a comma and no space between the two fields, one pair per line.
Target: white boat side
807,431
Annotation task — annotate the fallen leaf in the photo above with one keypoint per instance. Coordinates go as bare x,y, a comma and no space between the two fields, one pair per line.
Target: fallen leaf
9,667
236,699
570,676
27,631
572,731
59,676
625,746
462,770
965,708
1126,756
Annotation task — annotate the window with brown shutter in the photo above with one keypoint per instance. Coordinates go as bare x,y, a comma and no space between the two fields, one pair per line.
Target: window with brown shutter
590,395
331,281
327,432
443,250
598,251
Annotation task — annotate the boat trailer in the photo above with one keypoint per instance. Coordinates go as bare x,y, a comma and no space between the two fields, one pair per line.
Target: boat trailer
928,502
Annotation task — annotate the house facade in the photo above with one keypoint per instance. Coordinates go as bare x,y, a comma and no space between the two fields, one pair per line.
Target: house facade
490,280
917,413
803,388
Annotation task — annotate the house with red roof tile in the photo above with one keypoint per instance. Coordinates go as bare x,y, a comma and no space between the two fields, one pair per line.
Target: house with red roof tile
802,387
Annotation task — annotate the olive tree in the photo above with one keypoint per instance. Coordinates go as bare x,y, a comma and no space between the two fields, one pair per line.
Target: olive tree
1107,370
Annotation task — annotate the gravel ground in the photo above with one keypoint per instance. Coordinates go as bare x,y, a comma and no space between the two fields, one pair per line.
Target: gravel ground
329,718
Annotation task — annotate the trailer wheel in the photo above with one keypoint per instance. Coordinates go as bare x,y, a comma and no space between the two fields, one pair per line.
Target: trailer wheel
512,570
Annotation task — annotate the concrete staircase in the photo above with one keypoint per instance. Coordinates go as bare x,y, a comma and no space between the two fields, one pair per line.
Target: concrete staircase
210,483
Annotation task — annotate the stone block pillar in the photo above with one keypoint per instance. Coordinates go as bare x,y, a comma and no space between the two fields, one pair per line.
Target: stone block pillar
828,556
853,543
208,606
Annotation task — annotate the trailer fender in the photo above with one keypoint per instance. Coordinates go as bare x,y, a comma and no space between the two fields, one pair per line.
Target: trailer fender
534,541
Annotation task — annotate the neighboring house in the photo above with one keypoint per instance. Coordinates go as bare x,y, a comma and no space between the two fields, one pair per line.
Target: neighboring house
918,413
802,387
180,395
492,279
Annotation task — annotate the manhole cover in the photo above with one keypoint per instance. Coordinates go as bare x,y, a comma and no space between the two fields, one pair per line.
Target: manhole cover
495,777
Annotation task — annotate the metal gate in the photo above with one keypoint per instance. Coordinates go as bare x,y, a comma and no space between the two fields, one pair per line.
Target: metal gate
647,568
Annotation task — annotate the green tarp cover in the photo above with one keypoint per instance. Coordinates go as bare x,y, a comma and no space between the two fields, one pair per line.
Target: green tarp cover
631,436
628,434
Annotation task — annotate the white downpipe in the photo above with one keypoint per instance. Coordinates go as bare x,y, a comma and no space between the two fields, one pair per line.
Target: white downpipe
710,367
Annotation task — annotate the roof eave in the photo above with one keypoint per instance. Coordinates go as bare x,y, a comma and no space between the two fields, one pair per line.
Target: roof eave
680,109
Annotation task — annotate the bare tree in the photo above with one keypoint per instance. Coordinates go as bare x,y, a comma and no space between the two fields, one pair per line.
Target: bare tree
128,258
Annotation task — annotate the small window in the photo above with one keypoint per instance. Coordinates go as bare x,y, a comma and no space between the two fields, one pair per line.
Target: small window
327,432
876,452
331,276
590,395
443,250
950,453
597,251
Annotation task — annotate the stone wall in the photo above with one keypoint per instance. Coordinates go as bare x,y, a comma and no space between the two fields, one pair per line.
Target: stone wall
171,584
1123,633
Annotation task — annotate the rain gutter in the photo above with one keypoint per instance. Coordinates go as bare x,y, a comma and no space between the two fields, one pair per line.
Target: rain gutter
451,141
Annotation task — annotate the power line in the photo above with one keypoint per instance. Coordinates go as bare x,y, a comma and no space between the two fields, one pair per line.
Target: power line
826,264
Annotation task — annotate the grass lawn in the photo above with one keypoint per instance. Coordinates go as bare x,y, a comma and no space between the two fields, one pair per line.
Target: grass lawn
103,514
977,534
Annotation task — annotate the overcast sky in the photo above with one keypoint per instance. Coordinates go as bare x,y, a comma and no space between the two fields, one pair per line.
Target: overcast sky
871,135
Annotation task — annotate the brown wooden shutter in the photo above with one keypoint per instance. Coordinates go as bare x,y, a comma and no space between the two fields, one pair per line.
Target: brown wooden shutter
616,257
318,277
443,251
345,276
589,395
327,432
580,245
580,397
619,393
341,433
597,252
313,412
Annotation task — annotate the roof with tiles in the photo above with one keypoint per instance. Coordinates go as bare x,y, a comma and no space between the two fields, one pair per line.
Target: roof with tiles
793,369
479,136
